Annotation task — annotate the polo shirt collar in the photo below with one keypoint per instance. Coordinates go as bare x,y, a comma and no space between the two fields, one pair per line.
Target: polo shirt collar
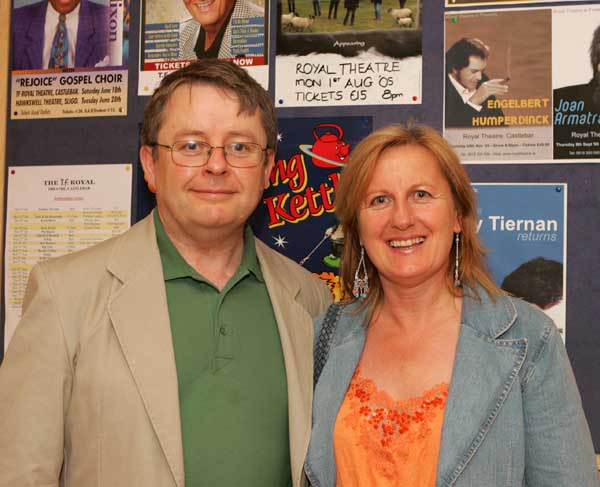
175,266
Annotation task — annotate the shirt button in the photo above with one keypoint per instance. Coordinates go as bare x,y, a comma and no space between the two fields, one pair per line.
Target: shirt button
224,330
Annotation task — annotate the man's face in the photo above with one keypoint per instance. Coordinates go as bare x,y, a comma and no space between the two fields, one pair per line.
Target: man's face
470,76
209,13
216,195
64,6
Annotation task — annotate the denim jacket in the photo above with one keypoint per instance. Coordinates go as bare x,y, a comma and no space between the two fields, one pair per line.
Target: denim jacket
513,414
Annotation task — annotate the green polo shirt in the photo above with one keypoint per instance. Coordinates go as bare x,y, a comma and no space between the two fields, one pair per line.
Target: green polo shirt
232,383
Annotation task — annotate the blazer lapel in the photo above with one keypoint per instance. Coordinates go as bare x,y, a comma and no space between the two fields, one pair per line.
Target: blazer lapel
296,334
485,369
140,317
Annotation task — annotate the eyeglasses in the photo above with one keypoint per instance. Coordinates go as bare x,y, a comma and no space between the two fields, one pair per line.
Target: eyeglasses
195,153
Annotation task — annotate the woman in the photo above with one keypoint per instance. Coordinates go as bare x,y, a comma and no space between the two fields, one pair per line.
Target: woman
434,376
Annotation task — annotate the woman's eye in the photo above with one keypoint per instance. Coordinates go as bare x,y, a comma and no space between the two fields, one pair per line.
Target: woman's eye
420,194
379,200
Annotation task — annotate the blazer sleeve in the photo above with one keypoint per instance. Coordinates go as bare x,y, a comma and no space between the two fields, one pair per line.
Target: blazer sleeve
35,387
558,445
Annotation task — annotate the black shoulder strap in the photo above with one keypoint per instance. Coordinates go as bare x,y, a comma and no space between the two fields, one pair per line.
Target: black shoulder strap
324,339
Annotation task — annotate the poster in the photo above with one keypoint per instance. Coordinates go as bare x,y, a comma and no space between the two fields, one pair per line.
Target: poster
55,210
175,33
296,216
342,53
523,227
498,85
69,59
576,82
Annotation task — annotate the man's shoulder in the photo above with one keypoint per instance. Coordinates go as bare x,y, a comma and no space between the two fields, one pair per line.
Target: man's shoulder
28,9
286,264
28,12
245,8
573,92
94,259
314,294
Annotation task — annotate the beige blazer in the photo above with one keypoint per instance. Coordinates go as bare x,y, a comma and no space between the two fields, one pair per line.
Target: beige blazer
88,387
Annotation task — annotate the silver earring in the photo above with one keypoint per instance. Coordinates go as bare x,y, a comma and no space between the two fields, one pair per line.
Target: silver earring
457,282
361,284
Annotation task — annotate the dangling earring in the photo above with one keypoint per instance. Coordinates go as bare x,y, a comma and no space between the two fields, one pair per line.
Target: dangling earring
361,284
457,282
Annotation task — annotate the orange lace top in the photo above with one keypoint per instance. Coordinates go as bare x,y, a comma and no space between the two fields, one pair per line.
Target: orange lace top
379,441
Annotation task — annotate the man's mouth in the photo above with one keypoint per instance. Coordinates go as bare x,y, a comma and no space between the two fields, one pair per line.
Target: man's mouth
204,5
403,244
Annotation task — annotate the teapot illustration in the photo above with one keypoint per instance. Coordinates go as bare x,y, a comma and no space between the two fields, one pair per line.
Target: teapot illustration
330,145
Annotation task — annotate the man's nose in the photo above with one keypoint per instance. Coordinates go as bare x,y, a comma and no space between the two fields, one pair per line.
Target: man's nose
217,164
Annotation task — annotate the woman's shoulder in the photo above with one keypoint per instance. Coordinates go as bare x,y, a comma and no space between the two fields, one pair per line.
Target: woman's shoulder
505,317
347,316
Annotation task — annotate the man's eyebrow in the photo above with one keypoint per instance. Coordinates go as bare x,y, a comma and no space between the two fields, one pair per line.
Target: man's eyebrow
189,133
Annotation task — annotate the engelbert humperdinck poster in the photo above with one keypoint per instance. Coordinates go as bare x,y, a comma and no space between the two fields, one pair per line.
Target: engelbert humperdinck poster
348,53
523,227
69,58
498,85
176,32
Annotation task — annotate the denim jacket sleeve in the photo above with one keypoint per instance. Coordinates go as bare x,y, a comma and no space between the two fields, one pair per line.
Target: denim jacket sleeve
558,447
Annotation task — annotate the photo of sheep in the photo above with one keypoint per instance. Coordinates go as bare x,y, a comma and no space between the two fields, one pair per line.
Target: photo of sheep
348,15
342,52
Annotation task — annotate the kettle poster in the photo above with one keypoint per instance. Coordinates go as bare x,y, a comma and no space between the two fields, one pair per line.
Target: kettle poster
296,215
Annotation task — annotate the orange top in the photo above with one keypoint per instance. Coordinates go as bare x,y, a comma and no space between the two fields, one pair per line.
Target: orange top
379,441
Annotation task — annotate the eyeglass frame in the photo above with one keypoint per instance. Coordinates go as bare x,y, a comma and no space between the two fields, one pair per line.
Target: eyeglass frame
210,152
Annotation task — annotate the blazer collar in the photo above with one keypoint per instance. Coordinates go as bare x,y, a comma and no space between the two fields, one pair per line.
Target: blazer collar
139,313
485,369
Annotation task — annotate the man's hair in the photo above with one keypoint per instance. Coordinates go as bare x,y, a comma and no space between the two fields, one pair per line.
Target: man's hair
595,60
457,57
220,74
353,185
538,281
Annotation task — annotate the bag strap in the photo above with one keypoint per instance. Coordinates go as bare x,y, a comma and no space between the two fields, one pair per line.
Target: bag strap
324,339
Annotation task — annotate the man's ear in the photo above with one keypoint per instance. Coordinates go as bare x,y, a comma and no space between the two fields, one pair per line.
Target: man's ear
269,163
148,165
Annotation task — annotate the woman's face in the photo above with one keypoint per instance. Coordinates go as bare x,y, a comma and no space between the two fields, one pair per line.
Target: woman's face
407,218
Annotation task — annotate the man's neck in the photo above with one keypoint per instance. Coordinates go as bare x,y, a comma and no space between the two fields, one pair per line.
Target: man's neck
212,31
214,253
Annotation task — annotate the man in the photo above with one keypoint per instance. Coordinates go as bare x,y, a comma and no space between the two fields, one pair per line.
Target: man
577,109
173,353
60,34
209,32
468,89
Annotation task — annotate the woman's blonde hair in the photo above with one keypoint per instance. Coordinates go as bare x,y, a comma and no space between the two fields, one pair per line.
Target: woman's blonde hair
352,188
